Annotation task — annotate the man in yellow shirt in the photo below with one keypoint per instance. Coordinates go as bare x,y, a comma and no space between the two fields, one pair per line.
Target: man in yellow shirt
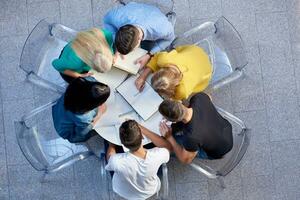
178,73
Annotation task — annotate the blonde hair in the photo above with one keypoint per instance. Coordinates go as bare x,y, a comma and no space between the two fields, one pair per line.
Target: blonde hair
93,49
165,81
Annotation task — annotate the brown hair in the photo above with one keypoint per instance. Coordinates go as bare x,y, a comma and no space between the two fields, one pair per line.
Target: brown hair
130,135
93,49
172,110
165,81
127,38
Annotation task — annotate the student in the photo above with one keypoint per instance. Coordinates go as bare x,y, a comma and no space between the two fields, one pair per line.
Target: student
78,110
90,49
178,73
135,172
136,22
198,129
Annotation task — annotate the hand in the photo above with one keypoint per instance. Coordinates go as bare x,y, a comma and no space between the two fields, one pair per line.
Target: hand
143,60
86,74
117,54
165,130
140,83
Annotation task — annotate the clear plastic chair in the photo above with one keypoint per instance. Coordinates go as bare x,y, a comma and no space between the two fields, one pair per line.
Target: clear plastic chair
225,48
45,43
44,149
217,169
166,7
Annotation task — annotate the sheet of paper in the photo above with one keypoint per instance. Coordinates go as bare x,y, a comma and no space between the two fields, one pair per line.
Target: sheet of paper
112,78
128,62
145,103
111,116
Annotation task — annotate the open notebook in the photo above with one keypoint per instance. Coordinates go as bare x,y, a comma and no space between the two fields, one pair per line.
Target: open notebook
128,62
112,78
145,103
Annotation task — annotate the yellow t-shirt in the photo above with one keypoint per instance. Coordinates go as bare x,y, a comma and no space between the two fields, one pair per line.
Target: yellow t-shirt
194,65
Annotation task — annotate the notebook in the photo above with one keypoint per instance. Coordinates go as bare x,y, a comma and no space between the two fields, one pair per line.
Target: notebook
128,62
112,78
145,103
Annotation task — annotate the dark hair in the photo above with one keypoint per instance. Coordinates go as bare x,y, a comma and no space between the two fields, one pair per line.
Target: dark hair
130,135
127,38
171,110
82,95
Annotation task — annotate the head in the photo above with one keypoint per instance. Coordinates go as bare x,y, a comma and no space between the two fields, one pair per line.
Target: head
82,95
172,110
128,37
165,81
130,135
92,47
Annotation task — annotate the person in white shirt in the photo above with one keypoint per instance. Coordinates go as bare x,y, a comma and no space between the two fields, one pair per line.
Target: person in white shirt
135,172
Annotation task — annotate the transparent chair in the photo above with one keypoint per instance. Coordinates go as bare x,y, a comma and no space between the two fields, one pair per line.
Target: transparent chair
166,7
219,168
225,48
44,149
45,43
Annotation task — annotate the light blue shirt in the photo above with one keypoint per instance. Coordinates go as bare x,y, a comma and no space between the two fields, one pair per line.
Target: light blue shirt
150,19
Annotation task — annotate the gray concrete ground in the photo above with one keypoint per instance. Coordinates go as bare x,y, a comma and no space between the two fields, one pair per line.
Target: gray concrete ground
267,99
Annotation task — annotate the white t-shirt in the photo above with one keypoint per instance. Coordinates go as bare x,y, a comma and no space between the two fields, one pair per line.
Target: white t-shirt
136,178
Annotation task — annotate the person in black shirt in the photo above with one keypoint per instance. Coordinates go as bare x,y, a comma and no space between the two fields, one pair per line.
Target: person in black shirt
199,129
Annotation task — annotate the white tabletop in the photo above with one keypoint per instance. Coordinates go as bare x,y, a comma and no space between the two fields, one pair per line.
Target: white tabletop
118,110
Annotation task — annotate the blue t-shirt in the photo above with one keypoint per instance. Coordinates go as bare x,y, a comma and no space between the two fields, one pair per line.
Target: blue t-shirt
70,126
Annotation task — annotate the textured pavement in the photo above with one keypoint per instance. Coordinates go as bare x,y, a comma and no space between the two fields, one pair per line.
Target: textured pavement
267,99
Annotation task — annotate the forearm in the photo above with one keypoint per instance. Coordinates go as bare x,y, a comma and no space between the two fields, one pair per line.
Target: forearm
180,152
72,73
156,139
110,151
146,72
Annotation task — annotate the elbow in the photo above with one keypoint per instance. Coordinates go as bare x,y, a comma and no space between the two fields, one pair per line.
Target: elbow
185,160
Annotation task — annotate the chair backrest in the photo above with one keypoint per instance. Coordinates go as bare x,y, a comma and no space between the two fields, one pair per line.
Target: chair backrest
45,43
221,167
166,6
44,149
222,43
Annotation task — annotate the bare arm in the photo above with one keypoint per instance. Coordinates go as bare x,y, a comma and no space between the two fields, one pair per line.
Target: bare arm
76,74
183,155
110,151
101,110
156,139
140,81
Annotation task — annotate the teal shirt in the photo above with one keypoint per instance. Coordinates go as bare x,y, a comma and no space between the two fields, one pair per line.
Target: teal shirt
70,61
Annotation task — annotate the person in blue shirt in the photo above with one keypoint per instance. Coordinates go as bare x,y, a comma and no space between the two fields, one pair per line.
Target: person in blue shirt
134,23
77,111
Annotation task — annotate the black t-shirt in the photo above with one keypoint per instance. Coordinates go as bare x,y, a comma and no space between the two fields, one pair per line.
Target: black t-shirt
207,129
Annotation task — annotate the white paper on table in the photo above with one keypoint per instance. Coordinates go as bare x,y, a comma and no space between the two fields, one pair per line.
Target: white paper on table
122,104
112,78
145,103
111,116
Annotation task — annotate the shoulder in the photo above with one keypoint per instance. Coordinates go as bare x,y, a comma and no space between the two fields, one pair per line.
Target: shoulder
200,97
158,152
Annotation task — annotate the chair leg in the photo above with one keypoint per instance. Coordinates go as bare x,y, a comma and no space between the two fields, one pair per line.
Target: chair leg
221,182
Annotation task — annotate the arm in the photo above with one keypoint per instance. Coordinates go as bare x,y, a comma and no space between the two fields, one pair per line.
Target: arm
140,81
76,74
101,110
110,151
183,155
156,139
